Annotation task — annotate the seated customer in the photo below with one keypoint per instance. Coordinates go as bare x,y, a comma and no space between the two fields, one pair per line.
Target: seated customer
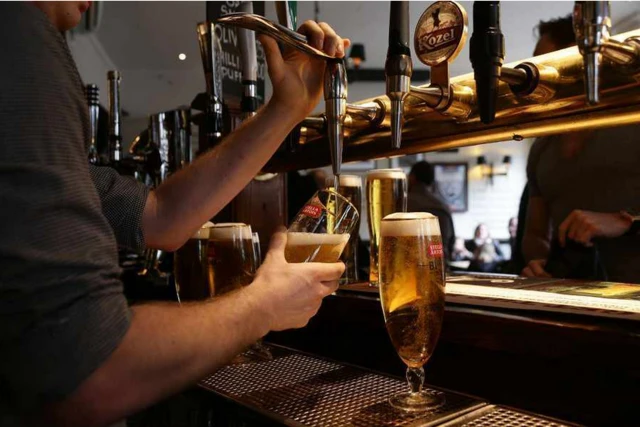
422,197
486,251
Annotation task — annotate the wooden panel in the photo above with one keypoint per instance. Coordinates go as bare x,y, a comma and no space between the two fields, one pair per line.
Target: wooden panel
263,205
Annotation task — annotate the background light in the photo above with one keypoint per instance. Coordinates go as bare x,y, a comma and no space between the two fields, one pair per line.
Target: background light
182,57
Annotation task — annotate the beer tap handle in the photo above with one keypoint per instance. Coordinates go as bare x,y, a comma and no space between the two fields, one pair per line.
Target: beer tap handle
247,43
398,66
591,24
487,54
93,99
210,52
440,35
115,119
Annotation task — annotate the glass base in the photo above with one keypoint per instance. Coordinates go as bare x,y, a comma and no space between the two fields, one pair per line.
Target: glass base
422,401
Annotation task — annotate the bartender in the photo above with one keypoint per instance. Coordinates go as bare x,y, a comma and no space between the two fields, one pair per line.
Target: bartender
72,351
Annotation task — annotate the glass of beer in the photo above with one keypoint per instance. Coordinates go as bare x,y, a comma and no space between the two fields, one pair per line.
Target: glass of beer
412,292
191,272
321,229
351,189
231,257
386,194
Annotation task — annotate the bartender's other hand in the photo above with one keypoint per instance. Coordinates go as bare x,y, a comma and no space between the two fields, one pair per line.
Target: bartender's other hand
297,78
290,294
535,268
582,226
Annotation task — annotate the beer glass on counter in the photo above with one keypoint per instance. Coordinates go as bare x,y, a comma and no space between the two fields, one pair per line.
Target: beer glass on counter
386,193
231,257
191,270
351,189
412,292
321,229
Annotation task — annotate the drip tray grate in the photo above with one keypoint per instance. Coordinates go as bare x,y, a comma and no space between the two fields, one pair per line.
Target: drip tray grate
497,416
316,392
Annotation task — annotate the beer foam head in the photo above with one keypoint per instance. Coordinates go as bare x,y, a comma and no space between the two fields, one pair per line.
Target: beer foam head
230,231
351,180
203,232
410,224
301,239
386,173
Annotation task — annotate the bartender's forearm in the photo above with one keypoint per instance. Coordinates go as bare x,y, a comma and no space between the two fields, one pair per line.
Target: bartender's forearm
165,349
192,196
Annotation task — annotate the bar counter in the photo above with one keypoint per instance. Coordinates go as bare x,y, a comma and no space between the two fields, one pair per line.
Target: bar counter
582,369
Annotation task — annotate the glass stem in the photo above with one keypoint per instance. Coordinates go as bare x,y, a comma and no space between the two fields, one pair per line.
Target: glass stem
415,378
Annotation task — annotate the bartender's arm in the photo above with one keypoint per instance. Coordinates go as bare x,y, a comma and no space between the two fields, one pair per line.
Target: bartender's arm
193,195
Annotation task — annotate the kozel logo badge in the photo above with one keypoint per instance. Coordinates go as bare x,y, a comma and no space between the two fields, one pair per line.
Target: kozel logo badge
440,32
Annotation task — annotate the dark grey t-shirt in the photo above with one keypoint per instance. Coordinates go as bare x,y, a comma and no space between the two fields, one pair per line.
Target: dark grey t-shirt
602,177
62,311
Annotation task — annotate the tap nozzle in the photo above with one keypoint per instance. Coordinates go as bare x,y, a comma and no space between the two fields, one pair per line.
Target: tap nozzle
335,98
398,67
591,24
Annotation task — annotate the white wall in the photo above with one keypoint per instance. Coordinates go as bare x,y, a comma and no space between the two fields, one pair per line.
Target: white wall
493,204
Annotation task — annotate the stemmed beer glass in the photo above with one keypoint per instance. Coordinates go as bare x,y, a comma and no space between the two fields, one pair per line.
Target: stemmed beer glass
412,292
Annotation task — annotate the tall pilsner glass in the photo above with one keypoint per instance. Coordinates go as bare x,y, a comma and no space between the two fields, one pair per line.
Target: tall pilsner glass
321,229
386,194
412,291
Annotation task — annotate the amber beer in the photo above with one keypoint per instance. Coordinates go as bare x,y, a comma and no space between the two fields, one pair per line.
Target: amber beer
412,284
351,189
191,267
231,257
314,247
386,194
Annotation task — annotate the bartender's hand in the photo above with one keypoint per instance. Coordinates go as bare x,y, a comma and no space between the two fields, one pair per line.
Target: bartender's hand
290,294
582,226
535,268
297,78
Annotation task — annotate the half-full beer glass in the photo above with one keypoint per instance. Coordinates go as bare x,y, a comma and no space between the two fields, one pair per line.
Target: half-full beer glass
231,257
190,267
351,189
412,293
321,229
386,194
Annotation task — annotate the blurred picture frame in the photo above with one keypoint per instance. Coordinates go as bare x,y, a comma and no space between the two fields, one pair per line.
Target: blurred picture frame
452,183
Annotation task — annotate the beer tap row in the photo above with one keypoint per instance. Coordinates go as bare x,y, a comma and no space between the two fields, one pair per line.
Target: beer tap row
468,109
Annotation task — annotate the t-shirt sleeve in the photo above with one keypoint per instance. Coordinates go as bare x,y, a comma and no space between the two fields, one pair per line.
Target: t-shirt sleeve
62,310
123,200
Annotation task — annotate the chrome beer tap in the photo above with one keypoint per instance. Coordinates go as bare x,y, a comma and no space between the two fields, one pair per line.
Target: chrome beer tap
398,66
247,43
591,24
115,119
440,34
93,99
210,51
335,77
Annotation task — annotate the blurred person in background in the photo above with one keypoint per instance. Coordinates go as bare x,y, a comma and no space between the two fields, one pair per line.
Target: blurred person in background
584,195
423,197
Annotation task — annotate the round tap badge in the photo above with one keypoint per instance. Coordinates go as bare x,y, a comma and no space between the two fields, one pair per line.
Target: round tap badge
441,32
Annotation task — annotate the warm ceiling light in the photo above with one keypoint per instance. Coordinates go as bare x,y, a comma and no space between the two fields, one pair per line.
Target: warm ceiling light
182,57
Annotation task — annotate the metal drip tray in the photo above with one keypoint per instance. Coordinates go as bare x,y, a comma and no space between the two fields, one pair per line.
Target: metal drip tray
309,391
492,416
